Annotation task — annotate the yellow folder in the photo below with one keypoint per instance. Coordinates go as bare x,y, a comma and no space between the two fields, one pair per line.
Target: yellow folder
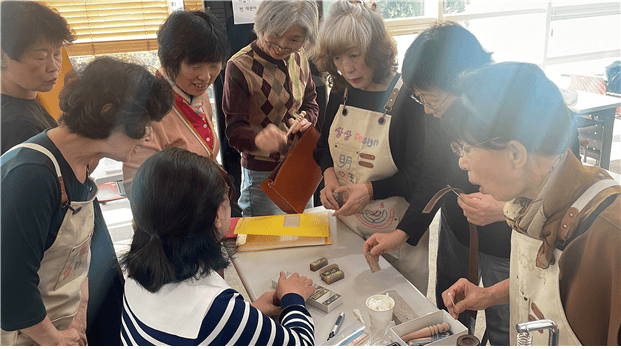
282,231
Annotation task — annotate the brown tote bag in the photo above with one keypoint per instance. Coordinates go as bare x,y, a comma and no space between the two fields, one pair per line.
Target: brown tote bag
292,184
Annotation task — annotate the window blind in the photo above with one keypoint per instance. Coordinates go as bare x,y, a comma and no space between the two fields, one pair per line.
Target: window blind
112,26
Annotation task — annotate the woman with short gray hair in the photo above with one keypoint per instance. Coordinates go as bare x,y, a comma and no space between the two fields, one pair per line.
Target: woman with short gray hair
268,86
274,18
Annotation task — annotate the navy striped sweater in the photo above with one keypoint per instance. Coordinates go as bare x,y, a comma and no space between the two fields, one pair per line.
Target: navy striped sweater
208,312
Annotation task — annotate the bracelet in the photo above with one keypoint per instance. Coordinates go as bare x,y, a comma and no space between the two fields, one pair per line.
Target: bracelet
370,189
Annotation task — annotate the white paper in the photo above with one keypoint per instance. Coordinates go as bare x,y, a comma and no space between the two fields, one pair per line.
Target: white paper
244,10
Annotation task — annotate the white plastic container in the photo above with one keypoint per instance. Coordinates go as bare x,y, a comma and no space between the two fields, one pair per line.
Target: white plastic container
457,328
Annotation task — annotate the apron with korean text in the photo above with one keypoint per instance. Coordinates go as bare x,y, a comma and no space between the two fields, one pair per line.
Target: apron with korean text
534,292
360,147
65,264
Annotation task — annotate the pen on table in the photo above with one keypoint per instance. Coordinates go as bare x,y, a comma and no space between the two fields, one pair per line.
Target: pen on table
298,119
337,325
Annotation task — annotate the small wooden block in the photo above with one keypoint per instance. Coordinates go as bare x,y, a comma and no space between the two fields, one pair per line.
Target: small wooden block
329,269
373,262
333,277
318,264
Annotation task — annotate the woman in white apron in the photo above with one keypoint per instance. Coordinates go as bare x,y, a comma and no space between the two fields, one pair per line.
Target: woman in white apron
372,140
49,200
514,128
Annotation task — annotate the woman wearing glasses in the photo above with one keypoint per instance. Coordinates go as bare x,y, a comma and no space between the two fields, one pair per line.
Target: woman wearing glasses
514,131
371,144
431,64
267,87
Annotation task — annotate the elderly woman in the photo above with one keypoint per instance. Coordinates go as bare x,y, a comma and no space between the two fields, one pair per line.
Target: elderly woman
513,131
192,49
371,144
268,86
173,296
48,225
432,63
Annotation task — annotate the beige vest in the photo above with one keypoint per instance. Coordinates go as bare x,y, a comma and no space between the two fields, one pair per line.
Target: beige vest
65,264
534,292
360,148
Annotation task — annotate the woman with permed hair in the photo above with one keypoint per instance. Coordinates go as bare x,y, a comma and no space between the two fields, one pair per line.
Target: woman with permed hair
371,144
50,212
173,296
268,86
192,49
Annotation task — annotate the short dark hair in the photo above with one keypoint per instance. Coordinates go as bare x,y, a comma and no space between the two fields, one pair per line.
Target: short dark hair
136,98
510,101
25,22
439,54
191,37
175,235
349,23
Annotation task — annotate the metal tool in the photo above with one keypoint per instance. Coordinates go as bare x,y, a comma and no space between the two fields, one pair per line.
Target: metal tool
530,326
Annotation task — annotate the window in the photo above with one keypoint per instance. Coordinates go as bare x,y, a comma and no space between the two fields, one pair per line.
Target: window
115,26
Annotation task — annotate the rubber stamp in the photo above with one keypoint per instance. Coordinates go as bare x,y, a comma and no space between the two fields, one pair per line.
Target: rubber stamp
318,264
373,262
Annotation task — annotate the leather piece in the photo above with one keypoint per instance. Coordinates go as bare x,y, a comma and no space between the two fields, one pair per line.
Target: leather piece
474,238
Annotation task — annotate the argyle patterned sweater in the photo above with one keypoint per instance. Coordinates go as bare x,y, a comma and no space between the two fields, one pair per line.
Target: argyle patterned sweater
259,90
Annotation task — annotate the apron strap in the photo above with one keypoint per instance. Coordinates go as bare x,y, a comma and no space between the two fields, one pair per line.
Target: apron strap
41,149
577,207
393,96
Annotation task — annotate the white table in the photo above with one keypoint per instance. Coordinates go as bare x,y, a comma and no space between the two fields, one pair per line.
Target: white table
257,269
603,108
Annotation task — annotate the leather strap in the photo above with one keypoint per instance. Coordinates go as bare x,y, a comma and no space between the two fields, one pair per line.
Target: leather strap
474,238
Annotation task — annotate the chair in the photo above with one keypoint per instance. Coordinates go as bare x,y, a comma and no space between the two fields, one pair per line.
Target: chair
590,130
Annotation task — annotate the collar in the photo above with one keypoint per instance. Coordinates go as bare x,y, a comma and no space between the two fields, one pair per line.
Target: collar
540,218
193,101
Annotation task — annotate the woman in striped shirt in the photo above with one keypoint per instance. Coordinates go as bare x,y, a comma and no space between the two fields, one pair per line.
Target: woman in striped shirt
173,296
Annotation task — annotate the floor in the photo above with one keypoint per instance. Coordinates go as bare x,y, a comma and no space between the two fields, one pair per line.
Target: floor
118,217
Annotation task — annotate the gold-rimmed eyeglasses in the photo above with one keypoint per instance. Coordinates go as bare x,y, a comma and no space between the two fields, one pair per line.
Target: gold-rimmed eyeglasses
417,100
282,49
459,149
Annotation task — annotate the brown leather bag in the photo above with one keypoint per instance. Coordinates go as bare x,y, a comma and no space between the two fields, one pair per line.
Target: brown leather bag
292,184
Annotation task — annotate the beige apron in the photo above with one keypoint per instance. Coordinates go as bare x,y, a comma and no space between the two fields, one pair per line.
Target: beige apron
360,147
65,264
534,292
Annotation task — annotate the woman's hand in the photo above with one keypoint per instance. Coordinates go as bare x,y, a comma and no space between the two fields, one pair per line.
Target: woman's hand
331,183
265,304
355,199
303,125
481,209
271,139
380,243
468,296
294,284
